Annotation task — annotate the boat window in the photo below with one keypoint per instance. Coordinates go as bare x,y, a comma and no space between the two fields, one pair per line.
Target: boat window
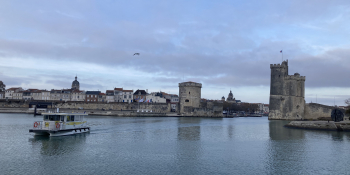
46,117
77,118
62,118
70,118
52,118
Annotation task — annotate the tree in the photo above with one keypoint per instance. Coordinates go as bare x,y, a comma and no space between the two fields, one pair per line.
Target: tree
2,86
347,101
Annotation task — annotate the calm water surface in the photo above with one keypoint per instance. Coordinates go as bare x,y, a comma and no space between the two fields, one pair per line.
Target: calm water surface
118,145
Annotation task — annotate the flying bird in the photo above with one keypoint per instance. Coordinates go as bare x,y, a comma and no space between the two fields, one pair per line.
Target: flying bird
136,54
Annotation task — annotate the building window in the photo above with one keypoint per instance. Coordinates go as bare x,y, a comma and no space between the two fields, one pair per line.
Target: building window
189,92
187,100
129,96
124,96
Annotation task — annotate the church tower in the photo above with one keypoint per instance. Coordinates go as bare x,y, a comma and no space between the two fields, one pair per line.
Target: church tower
75,83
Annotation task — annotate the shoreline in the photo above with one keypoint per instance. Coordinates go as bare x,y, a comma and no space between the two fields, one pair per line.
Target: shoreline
320,125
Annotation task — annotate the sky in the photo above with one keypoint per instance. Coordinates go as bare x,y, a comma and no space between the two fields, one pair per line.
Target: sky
225,45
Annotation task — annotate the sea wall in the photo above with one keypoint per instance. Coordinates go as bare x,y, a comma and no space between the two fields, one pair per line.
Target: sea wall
154,107
206,109
314,111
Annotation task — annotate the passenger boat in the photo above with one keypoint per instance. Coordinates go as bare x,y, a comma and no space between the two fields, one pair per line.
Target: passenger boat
58,124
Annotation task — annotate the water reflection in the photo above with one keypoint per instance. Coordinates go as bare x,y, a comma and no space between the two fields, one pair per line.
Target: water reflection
285,148
59,145
189,149
189,129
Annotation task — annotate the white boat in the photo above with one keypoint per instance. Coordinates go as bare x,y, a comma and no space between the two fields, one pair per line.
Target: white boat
58,124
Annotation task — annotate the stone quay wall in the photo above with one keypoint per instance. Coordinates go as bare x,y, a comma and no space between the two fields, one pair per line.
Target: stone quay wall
206,109
315,111
154,107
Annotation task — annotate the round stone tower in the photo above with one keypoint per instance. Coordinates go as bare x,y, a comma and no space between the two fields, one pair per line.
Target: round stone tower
75,83
189,95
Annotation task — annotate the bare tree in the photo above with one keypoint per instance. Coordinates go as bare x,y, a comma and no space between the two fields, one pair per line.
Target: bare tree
2,86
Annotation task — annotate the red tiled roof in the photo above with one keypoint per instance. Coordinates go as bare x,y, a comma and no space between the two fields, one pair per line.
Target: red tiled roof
118,89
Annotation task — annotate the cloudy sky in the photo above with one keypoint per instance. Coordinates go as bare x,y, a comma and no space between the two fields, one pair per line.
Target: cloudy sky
222,44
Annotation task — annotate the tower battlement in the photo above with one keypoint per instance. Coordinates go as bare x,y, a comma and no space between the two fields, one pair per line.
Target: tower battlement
295,77
190,83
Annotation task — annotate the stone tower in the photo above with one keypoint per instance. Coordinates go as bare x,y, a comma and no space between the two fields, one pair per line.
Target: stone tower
189,95
75,83
287,93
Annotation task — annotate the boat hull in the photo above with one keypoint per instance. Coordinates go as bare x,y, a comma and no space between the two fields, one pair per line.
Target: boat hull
53,133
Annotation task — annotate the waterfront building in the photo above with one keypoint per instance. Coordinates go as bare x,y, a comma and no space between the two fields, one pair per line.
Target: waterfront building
78,95
266,108
127,96
26,95
174,102
102,97
55,95
118,94
75,84
9,92
36,94
66,94
109,96
155,97
140,95
45,95
92,96
18,95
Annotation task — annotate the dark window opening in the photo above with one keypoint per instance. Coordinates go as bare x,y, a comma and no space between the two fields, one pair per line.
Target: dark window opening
187,100
189,92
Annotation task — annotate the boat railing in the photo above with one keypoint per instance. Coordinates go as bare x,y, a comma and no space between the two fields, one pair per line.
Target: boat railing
38,125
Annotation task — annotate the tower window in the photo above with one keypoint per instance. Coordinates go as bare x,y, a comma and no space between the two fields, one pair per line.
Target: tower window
189,92
187,100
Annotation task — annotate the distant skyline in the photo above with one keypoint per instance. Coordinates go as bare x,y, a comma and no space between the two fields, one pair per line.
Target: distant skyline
222,44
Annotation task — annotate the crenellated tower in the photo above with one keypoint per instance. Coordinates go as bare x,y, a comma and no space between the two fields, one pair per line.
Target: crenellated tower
287,93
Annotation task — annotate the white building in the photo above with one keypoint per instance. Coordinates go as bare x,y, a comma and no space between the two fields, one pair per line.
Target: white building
127,96
17,95
9,92
77,95
36,95
45,95
2,95
155,97
109,96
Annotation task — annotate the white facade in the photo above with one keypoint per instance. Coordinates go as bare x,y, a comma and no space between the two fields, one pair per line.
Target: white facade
17,95
127,96
9,92
36,95
78,95
45,95
155,99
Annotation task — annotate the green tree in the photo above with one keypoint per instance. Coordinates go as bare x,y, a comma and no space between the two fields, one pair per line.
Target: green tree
347,101
2,86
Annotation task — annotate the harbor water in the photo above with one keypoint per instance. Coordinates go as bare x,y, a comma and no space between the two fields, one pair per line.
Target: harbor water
172,145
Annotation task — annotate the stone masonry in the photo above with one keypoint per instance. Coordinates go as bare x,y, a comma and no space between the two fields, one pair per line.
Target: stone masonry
287,93
189,95
287,97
